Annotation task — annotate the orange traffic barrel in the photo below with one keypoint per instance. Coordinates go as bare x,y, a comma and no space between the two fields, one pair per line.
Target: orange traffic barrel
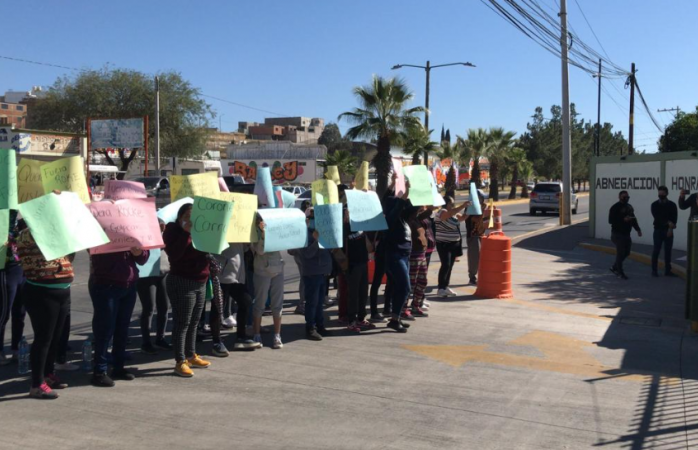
496,219
494,271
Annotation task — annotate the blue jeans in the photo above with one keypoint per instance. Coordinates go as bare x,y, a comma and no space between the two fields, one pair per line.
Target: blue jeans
113,306
398,269
660,237
314,286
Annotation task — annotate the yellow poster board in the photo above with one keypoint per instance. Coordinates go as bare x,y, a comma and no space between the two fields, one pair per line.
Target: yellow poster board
361,179
333,174
29,185
243,226
199,184
66,174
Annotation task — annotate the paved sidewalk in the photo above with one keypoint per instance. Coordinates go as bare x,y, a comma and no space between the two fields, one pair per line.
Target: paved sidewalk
578,359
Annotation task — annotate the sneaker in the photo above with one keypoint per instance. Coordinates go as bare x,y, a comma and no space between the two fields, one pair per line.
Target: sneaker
54,382
354,327
329,301
377,318
258,340
162,343
473,281
424,308
419,312
614,271
299,311
182,369
397,326
149,349
219,350
244,344
451,292
101,380
324,332
366,325
404,324
442,293
43,392
277,342
406,315
122,374
196,362
312,334
229,322
425,304
67,367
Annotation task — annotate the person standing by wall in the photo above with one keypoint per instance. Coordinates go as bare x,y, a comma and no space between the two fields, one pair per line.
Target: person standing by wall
690,202
621,216
665,214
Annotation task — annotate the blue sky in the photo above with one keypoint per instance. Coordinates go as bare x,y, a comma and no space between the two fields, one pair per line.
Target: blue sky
303,58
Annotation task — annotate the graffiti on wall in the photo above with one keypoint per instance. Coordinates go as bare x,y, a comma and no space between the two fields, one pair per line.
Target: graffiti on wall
287,171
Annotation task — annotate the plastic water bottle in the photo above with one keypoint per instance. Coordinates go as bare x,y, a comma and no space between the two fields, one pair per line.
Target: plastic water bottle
87,355
23,357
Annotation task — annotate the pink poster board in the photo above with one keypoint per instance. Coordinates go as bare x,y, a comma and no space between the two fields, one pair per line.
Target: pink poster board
128,223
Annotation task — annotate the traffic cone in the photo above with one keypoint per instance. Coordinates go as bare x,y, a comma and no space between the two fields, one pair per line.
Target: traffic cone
494,271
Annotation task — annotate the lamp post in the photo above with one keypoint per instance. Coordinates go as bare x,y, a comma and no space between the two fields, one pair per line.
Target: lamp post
427,70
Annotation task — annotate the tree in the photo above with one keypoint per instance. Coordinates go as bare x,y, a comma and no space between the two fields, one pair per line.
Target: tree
682,134
500,144
416,141
443,135
476,144
526,171
447,136
330,137
345,162
515,159
454,153
382,114
122,93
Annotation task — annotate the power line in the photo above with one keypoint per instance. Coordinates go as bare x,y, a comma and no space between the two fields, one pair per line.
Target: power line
244,106
592,29
40,63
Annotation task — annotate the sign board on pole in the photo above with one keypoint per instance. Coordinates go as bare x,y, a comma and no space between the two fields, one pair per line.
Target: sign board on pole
116,133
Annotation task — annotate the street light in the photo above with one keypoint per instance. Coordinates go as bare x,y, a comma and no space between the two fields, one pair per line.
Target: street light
427,69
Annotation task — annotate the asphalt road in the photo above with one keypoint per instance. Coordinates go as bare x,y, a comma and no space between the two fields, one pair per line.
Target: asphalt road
516,222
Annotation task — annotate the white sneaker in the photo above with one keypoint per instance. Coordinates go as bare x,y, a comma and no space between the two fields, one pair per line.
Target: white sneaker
68,367
451,292
329,301
229,322
425,304
258,339
277,342
442,293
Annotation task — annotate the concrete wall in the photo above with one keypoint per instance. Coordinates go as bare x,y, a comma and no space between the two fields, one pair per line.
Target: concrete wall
641,175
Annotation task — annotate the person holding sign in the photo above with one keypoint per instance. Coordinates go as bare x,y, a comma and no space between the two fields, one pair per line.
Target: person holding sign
449,242
186,288
112,287
356,277
418,258
474,230
268,283
46,295
315,266
151,292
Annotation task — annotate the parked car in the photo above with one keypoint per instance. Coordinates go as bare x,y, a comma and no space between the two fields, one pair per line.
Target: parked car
295,190
158,187
233,180
530,186
546,197
305,196
242,188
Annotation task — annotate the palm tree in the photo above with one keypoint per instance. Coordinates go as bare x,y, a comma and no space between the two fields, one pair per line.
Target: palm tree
381,115
517,156
416,140
526,172
345,162
500,144
476,144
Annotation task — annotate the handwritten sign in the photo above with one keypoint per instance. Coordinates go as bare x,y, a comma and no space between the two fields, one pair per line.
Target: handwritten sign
289,200
169,213
324,192
400,180
285,229
8,180
365,211
474,209
264,189
29,185
438,200
127,223
151,268
121,190
66,174
210,219
420,185
328,223
199,184
333,174
361,179
243,225
116,133
62,224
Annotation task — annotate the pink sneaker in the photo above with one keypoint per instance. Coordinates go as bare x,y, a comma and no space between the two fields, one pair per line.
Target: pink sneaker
43,392
354,327
406,315
54,382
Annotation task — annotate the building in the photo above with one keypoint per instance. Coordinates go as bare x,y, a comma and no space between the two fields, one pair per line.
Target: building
15,106
13,114
299,130
218,141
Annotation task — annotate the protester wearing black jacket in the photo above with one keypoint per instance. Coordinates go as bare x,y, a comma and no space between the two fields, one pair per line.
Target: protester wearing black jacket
690,202
622,220
665,214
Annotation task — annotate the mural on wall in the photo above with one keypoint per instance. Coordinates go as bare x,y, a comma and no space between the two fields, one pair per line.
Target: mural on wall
287,171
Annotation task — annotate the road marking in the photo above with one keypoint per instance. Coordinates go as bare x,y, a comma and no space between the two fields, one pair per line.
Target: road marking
561,354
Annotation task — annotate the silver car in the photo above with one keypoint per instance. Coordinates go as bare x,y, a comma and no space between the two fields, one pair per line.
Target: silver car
546,197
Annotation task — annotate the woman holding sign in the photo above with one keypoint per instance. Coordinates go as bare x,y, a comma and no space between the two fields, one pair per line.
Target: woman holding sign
449,242
186,288
268,283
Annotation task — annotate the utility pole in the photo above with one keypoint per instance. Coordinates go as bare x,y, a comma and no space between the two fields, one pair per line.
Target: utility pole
157,126
631,131
597,140
426,113
677,110
565,213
